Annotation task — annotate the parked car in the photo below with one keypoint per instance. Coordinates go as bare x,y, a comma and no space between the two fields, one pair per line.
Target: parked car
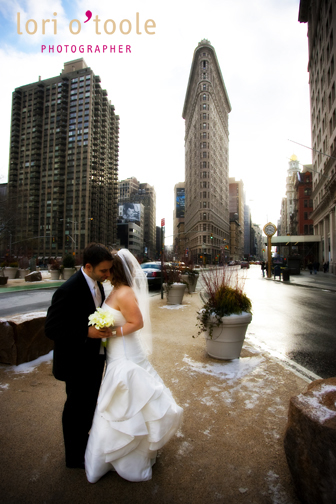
244,264
153,273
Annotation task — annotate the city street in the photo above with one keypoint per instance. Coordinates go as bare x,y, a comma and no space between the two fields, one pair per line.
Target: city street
298,322
295,321
13,303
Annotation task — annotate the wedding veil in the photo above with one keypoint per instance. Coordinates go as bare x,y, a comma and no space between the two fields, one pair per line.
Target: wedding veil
137,280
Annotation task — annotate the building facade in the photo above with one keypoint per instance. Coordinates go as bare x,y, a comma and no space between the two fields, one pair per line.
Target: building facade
132,191
206,111
237,218
304,203
292,173
63,164
321,18
247,231
179,237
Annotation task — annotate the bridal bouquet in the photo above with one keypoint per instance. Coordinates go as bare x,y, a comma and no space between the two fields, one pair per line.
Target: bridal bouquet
100,319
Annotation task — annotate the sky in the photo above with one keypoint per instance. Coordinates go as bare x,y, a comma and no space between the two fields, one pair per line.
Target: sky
261,48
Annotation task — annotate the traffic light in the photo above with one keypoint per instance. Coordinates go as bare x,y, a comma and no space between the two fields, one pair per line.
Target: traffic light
211,236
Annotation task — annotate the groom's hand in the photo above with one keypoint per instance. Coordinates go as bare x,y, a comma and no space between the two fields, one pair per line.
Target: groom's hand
94,333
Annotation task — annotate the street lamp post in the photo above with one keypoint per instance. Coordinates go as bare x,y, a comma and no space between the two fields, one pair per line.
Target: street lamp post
74,240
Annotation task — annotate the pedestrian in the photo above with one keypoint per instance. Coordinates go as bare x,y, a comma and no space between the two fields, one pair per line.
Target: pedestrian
79,356
263,268
310,267
325,267
316,266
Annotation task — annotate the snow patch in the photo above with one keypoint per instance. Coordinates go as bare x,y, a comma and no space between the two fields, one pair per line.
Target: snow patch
185,448
207,401
232,370
173,307
4,386
28,367
279,493
25,316
318,410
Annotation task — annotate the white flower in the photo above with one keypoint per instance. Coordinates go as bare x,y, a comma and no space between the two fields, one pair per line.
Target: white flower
101,318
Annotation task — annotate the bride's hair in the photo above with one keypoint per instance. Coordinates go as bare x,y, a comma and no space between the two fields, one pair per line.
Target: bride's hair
126,270
117,271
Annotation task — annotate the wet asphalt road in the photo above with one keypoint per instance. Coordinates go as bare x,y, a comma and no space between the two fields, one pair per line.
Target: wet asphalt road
298,322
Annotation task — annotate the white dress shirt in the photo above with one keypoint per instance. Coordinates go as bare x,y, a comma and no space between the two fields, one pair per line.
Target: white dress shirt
97,297
95,291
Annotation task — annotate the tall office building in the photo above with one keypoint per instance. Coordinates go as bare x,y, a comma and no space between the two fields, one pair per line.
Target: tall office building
321,18
132,191
292,173
206,110
237,219
179,238
247,230
63,165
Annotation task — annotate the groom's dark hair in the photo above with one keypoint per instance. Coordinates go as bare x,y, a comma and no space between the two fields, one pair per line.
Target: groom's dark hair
96,253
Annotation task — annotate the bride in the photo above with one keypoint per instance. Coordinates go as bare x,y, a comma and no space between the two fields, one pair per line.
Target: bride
135,414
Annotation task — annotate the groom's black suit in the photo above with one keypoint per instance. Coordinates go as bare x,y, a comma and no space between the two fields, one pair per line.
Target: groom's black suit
76,361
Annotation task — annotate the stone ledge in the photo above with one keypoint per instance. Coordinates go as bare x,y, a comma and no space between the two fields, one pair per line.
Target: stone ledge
310,442
22,338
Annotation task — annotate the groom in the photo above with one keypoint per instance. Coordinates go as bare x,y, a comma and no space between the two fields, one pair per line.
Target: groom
78,359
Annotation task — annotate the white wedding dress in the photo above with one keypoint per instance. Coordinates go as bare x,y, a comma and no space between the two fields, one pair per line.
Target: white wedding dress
135,414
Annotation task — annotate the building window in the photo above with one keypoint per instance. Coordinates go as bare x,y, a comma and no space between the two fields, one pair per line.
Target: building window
204,97
305,215
307,192
305,203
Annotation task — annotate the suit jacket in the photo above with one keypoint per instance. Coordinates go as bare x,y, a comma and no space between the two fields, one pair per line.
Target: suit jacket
67,325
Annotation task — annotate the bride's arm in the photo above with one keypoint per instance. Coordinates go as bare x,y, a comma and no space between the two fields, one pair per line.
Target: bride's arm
131,312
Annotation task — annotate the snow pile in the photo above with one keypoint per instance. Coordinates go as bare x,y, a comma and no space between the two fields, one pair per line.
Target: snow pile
28,367
314,402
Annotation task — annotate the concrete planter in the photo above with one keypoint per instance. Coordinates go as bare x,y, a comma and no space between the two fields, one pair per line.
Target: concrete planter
10,272
54,274
191,281
23,272
174,293
228,338
68,272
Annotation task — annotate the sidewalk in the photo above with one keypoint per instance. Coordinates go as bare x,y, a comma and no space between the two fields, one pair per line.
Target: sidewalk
228,451
19,284
305,279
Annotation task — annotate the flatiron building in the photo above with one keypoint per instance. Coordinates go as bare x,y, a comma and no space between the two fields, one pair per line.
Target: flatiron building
206,111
